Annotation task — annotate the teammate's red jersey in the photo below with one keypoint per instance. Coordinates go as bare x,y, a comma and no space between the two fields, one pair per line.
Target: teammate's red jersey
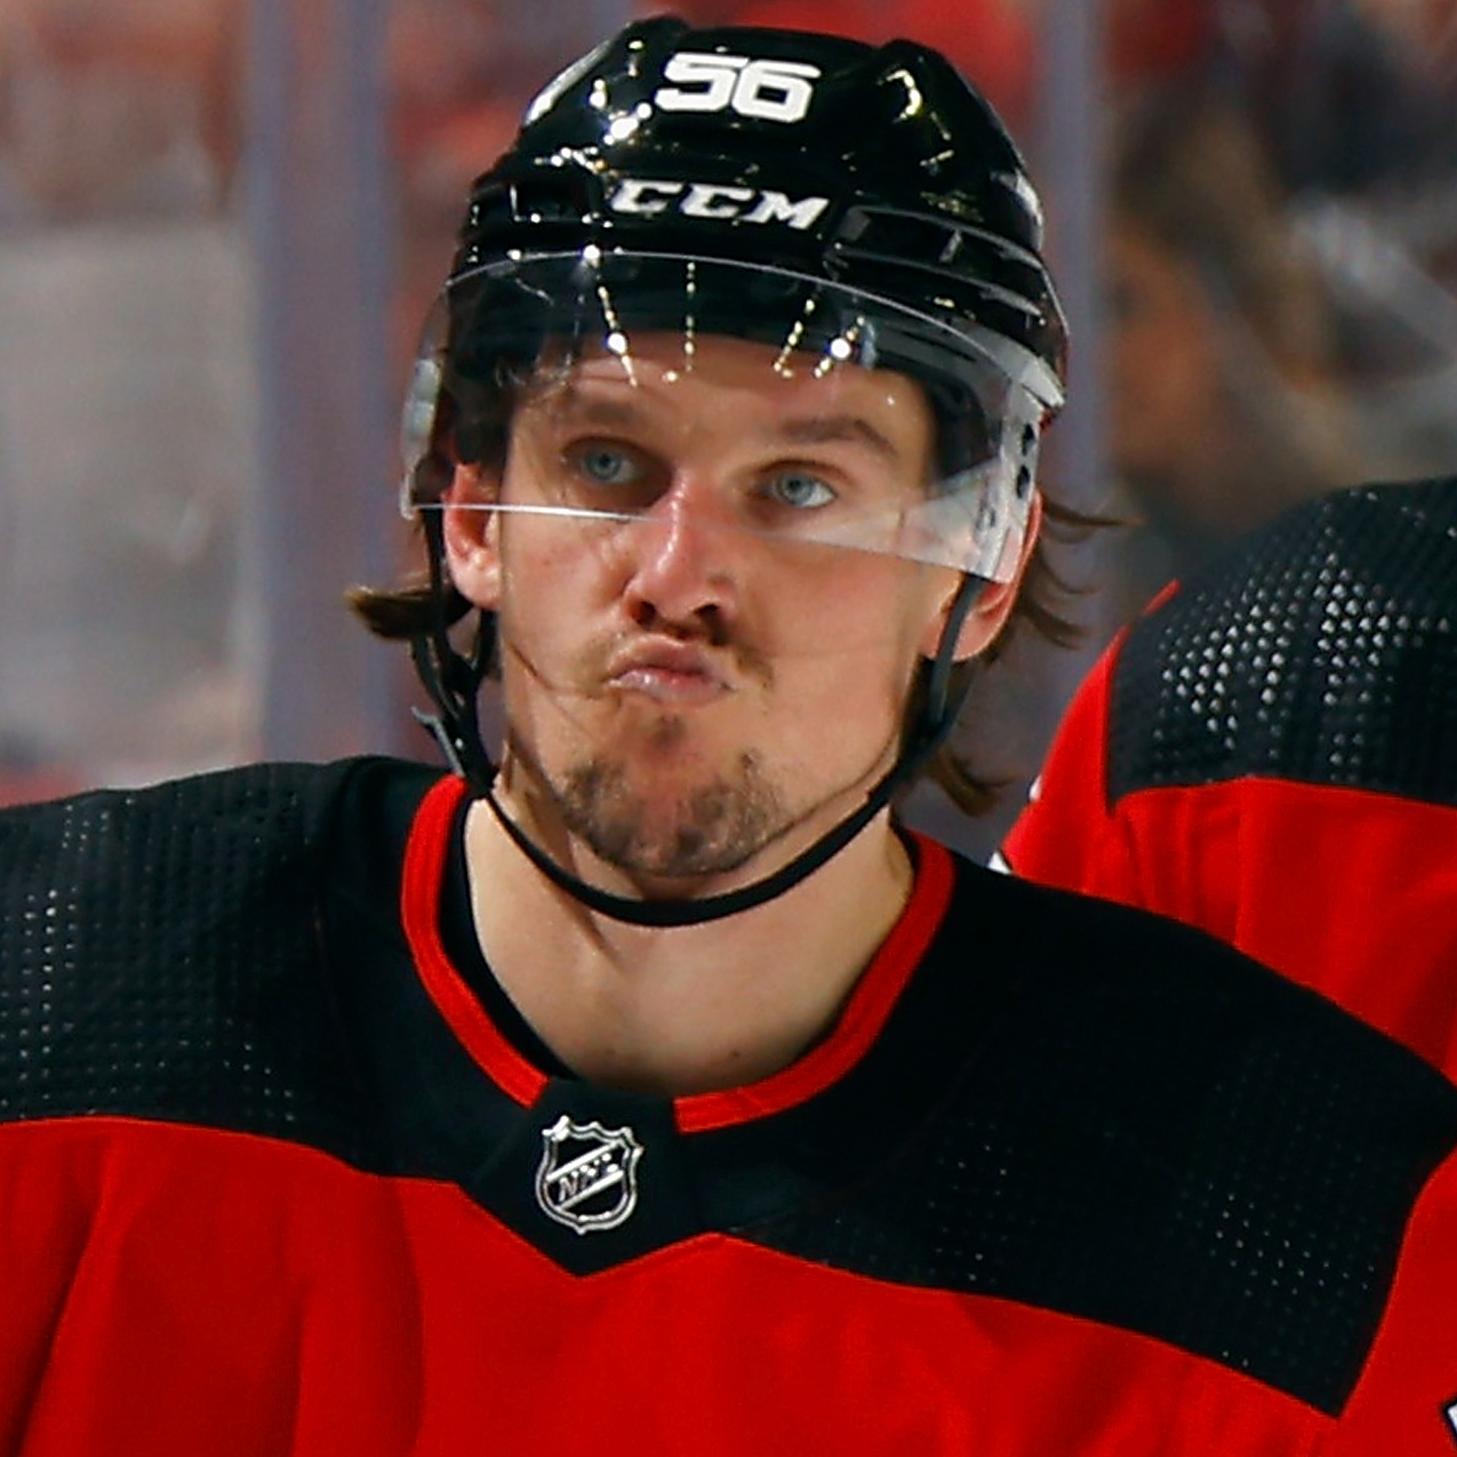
1271,754
1064,1179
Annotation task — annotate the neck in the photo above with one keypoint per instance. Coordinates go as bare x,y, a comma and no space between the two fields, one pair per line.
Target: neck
690,1008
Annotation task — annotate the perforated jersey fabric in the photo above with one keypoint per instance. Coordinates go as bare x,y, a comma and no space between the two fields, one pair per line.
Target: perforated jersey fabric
1270,754
1324,651
1064,1178
159,956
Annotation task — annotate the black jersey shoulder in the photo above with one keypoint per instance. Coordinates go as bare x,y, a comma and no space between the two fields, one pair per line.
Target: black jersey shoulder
161,956
1097,1111
1323,649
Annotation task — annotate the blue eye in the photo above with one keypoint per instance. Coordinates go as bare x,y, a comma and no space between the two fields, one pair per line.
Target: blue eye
801,491
608,466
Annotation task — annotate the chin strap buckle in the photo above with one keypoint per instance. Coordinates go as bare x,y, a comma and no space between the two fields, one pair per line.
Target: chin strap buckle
435,724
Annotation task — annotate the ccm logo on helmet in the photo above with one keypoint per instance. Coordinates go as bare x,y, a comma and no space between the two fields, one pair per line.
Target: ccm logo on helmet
716,201
707,81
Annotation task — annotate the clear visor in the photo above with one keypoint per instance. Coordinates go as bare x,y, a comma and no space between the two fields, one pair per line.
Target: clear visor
605,388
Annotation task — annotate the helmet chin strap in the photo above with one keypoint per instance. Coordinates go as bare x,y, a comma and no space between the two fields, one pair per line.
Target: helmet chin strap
453,682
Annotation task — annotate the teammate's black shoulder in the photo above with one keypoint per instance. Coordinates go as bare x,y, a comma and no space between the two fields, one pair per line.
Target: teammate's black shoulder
1320,649
161,953
1138,1125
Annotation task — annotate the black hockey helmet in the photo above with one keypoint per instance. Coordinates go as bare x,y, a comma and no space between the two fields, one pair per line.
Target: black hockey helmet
836,201
844,205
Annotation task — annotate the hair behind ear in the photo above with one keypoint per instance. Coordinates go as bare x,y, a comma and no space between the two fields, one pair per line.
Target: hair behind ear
1041,603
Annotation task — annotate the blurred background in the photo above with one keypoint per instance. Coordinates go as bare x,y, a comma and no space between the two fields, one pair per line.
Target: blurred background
221,222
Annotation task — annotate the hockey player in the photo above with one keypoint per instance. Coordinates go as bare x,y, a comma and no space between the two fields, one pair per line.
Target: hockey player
656,1093
1268,754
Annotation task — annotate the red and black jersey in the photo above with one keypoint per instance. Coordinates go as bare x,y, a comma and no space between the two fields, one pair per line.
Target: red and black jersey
1064,1178
1270,754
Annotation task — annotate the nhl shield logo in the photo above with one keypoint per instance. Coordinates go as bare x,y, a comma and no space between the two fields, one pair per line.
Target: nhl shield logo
587,1178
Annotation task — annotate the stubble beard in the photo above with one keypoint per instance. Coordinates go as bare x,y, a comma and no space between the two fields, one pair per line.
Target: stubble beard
674,827
712,828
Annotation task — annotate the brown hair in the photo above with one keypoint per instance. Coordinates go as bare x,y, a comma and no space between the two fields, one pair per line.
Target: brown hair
1041,605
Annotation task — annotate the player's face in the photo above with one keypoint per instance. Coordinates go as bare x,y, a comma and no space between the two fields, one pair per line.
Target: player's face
686,686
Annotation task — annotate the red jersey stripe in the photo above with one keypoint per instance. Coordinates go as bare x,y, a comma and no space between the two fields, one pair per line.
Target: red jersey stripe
858,1027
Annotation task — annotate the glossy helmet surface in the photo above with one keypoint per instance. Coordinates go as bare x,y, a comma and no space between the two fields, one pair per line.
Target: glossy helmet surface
824,196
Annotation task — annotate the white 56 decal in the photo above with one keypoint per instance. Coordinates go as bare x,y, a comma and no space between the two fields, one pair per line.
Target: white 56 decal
768,90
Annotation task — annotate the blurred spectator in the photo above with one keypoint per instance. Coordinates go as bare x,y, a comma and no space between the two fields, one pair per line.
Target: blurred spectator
125,390
116,110
1222,405
1342,93
1350,104
460,73
1348,94
1153,41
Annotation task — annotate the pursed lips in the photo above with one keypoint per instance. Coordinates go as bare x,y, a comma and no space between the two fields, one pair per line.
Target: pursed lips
669,673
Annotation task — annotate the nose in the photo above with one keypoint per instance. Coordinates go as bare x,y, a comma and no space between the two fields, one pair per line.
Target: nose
681,574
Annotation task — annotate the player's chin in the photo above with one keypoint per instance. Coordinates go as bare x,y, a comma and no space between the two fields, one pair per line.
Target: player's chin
672,822
678,859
